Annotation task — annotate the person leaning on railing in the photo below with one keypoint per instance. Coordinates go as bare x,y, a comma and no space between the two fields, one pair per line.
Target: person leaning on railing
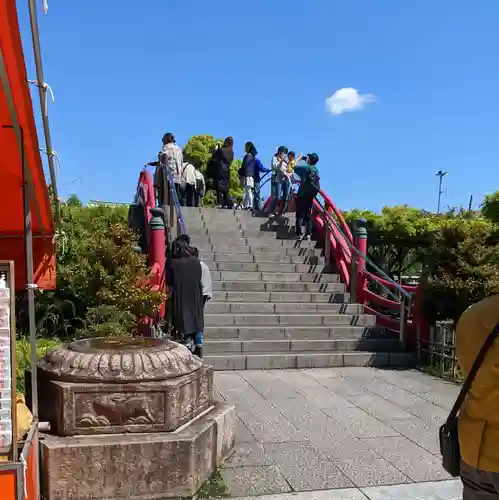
306,169
479,414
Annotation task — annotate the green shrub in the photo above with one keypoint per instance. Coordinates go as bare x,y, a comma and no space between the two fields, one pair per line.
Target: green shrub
463,267
99,276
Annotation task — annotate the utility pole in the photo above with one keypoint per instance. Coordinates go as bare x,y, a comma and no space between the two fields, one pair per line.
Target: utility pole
441,175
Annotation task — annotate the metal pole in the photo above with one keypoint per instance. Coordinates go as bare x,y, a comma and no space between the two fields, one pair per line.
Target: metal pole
327,244
402,336
353,279
441,175
42,93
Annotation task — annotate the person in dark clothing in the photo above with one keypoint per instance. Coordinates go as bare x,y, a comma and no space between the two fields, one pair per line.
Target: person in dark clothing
219,170
247,174
184,274
308,173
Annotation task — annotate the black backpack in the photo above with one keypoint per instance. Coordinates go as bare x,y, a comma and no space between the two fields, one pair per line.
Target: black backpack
312,185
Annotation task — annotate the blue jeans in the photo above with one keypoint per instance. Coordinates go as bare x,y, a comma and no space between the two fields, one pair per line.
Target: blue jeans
192,340
281,193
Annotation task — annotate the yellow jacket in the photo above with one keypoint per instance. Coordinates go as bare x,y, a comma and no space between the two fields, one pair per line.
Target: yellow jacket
479,416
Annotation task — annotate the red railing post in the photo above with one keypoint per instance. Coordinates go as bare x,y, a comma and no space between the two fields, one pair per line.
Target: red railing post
157,252
360,243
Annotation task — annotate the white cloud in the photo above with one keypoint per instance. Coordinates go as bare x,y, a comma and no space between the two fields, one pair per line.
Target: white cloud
347,99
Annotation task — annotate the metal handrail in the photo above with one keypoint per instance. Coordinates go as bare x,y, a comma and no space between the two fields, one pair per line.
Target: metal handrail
266,180
176,202
361,255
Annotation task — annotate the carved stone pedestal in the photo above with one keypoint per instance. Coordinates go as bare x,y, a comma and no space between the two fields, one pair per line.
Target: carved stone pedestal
132,418
159,466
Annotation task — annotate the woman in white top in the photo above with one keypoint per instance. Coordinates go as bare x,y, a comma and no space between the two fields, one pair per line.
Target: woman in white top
188,184
200,188
279,177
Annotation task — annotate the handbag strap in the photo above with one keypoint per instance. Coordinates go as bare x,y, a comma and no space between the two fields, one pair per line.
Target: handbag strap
472,374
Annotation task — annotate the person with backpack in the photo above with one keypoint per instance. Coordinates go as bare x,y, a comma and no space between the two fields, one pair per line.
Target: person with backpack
306,169
200,188
188,184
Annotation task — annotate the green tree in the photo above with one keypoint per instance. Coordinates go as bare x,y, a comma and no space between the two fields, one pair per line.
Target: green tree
490,207
463,267
198,150
73,201
397,237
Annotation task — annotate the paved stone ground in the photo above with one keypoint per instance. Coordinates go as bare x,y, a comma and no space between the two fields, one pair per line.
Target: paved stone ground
441,490
323,429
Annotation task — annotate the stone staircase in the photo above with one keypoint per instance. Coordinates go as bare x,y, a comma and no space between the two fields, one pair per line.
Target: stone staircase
275,305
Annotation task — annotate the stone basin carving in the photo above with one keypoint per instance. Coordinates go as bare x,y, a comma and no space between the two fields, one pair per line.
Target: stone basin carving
122,385
119,359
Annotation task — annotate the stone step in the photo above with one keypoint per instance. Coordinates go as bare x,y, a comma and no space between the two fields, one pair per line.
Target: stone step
259,286
264,267
296,332
285,297
274,277
283,251
298,346
234,240
278,258
274,319
286,360
281,308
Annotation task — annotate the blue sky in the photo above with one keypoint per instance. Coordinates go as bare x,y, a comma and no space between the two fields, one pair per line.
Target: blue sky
125,72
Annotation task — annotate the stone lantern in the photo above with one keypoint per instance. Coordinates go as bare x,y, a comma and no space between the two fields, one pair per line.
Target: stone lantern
130,418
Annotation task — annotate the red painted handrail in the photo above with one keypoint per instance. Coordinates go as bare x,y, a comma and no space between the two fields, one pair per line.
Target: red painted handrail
339,246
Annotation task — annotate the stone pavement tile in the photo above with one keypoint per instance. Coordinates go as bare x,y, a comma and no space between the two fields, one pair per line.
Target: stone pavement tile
433,415
359,423
409,458
393,394
345,494
248,454
368,471
419,431
269,386
379,407
340,445
256,480
242,433
304,467
442,490
270,427
341,386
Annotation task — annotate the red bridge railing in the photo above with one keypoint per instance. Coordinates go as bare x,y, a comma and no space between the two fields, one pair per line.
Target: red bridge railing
396,306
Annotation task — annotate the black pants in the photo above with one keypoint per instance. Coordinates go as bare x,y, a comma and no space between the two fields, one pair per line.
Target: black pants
189,195
479,484
223,198
180,194
304,214
197,199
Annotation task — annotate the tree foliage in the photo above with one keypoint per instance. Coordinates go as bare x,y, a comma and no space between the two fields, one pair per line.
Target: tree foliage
99,277
457,253
463,267
397,237
490,207
198,150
